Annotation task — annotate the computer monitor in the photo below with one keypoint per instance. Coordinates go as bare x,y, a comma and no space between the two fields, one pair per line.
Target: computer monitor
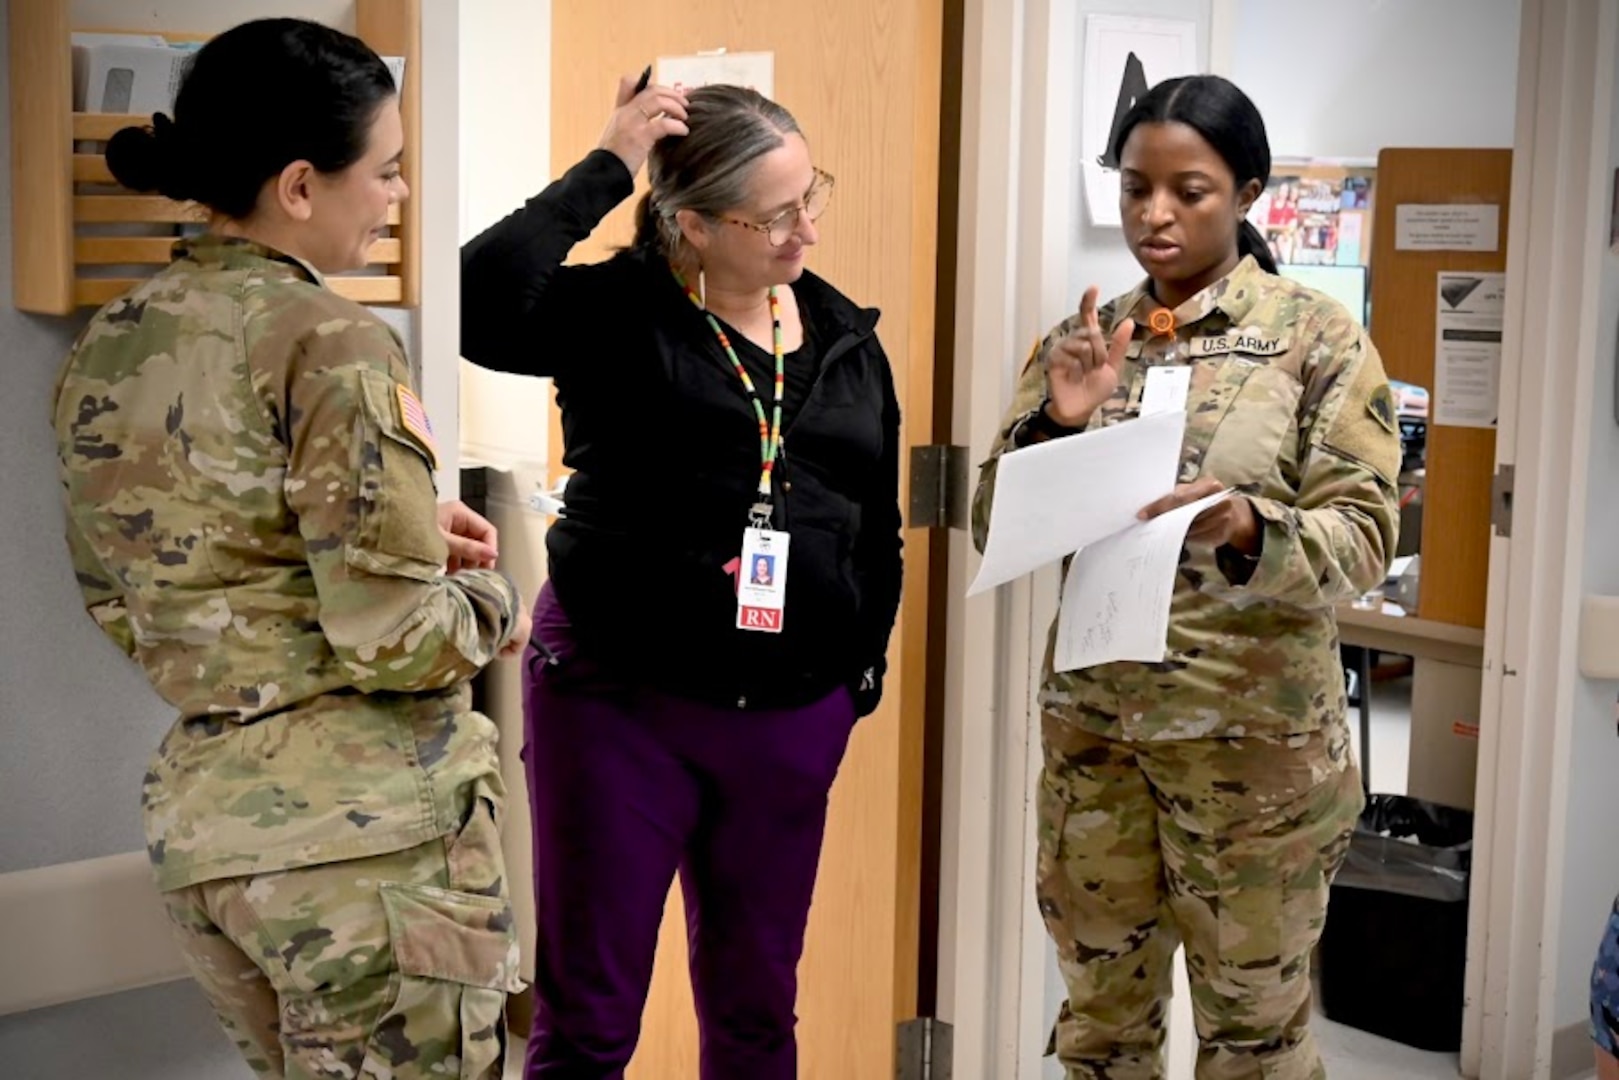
1345,284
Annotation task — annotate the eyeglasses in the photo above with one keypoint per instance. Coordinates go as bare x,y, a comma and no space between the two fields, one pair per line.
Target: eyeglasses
780,228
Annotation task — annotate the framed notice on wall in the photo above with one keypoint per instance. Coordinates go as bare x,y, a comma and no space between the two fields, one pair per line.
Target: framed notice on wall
1467,347
754,70
1124,58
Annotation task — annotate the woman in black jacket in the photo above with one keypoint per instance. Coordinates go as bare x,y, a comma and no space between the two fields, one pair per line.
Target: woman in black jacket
720,404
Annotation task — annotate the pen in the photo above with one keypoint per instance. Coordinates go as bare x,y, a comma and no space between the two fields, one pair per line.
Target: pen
646,78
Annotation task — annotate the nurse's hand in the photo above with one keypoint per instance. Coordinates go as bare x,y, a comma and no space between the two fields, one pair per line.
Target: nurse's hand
640,120
1231,522
473,542
1082,370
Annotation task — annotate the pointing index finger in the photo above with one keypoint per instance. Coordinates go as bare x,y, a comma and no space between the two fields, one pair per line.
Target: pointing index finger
1087,308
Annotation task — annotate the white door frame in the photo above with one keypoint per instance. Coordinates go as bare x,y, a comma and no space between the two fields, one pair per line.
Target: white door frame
1016,224
985,823
1564,117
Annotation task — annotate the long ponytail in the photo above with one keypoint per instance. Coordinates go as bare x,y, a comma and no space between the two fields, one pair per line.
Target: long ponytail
1251,242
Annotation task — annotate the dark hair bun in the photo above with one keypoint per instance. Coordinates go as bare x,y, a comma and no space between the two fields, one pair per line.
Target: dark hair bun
147,159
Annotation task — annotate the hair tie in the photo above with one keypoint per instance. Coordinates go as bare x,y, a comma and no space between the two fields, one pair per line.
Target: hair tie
1162,322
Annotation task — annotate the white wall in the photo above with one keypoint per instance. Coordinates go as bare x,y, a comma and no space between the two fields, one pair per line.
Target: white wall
437,343
1591,862
79,721
505,158
1337,79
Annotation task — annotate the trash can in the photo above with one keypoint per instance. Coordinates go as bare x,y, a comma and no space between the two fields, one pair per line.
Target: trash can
1394,953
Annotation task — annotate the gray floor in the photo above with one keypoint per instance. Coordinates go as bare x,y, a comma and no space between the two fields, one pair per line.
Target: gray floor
163,1032
1350,1055
1355,1055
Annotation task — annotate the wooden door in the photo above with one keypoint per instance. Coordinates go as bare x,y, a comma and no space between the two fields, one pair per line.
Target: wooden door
863,79
1405,286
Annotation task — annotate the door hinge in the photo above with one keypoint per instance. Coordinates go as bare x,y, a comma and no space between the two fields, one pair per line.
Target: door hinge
1501,487
938,487
922,1050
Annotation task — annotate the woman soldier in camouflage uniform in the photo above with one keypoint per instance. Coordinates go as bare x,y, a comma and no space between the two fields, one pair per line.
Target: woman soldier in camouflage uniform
251,513
1208,799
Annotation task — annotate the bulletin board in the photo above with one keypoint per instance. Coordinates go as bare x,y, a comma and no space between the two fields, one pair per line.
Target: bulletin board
1317,214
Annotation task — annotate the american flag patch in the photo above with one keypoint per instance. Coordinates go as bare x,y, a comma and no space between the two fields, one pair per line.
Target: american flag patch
414,417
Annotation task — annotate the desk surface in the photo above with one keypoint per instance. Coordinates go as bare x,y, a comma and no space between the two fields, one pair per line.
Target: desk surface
1410,636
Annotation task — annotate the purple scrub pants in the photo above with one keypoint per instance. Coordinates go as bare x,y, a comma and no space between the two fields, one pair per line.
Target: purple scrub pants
629,786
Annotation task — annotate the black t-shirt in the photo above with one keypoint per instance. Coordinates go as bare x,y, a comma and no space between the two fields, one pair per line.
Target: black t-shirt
802,365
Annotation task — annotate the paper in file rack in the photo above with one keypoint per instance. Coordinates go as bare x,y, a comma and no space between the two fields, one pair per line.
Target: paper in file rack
1055,498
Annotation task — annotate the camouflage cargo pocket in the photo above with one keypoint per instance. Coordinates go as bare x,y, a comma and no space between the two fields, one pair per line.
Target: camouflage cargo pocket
457,959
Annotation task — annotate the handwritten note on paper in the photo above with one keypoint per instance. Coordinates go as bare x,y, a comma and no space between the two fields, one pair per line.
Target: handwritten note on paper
1053,498
1115,602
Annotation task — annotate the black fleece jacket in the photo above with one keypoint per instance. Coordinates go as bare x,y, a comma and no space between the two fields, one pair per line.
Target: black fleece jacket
664,447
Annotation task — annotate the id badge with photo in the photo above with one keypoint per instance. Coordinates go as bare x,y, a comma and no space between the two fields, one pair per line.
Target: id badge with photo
761,592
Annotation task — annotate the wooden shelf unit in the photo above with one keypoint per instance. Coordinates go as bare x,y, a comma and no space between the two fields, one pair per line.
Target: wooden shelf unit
78,240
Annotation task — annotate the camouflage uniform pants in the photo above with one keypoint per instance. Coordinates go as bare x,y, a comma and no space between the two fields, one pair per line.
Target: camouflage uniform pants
1225,845
392,967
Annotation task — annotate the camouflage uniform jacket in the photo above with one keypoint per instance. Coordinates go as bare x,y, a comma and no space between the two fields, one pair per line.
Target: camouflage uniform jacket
251,516
1289,405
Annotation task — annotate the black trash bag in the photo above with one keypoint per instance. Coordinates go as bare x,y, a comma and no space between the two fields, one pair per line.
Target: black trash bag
1393,956
1411,847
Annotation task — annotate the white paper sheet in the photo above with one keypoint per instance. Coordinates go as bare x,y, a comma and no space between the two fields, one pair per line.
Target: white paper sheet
1053,498
1115,603
1102,194
1447,227
1467,348
755,70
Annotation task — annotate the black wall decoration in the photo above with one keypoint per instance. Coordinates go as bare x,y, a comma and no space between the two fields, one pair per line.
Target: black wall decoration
1131,88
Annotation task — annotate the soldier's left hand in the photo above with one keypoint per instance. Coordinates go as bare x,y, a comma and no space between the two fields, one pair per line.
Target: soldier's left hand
473,541
1229,522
